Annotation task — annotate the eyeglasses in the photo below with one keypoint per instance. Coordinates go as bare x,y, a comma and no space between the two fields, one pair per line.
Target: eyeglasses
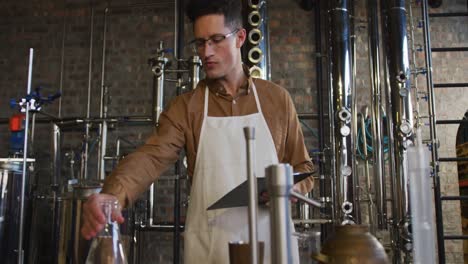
199,43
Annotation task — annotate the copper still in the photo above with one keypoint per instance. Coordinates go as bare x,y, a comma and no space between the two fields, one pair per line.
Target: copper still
352,244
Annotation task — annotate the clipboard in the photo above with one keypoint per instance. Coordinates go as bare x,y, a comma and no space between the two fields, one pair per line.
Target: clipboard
239,196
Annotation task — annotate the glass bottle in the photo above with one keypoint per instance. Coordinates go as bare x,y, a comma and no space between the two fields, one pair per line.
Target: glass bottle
107,247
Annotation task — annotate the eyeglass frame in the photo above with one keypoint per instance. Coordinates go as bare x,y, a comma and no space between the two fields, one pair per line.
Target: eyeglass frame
202,41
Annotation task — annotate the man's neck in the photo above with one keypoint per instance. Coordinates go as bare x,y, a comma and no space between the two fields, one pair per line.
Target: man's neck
233,81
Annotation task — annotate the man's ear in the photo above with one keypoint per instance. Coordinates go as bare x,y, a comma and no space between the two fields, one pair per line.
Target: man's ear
241,36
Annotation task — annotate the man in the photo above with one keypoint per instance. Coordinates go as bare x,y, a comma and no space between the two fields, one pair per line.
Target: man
208,122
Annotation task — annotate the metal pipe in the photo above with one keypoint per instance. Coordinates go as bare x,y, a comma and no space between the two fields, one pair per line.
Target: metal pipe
342,106
158,103
401,110
306,199
377,135
158,91
401,122
33,128
249,133
84,154
103,106
323,184
433,133
280,182
195,64
57,164
25,159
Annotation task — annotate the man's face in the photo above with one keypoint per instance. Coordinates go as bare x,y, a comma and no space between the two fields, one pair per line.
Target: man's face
219,55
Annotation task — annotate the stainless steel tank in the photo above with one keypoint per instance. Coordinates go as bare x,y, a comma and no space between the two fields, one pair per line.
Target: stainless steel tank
10,198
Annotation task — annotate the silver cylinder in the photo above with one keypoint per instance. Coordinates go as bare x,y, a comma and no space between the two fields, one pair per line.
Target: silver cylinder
158,104
401,111
249,133
342,98
195,64
280,181
56,154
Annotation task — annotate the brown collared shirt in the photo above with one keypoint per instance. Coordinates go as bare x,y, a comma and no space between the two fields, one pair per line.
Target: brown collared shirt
180,125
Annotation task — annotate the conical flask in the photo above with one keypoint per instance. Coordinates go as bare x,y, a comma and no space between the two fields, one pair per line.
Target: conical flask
107,247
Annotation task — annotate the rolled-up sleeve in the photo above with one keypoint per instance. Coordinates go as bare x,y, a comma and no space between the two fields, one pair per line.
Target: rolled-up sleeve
139,169
296,152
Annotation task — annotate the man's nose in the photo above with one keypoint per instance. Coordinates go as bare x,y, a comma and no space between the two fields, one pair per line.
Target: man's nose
207,48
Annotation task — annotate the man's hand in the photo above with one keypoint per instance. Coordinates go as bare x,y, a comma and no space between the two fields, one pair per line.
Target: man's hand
264,197
93,219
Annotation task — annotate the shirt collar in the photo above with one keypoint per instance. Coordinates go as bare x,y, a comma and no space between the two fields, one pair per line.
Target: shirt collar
245,89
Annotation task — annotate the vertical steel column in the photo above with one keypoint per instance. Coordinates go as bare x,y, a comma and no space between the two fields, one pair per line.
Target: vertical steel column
342,92
402,115
249,133
280,182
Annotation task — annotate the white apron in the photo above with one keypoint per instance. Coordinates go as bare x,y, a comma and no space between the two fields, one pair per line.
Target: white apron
220,167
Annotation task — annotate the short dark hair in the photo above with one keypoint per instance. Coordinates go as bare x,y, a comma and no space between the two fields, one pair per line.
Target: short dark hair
231,9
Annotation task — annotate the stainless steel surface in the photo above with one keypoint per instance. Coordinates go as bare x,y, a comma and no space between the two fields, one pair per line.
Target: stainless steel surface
376,114
249,133
342,98
402,116
280,182
158,71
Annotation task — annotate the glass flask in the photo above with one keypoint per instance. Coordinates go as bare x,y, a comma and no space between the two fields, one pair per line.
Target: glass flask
107,247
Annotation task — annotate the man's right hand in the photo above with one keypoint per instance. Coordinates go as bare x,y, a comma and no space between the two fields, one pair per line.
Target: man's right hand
93,219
